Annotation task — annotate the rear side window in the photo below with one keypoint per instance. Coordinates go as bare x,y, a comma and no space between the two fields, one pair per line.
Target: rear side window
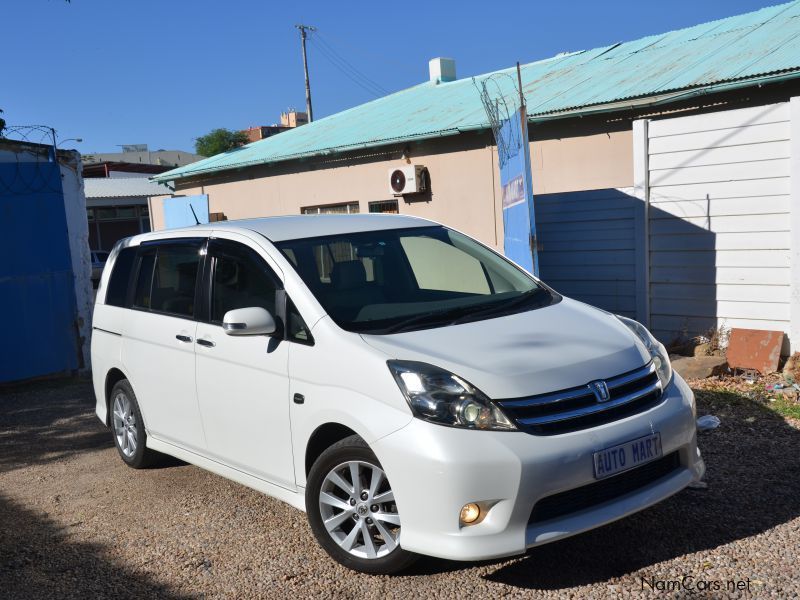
117,292
144,280
167,279
175,280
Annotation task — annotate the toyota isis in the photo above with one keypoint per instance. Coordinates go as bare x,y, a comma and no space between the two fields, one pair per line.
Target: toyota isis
412,390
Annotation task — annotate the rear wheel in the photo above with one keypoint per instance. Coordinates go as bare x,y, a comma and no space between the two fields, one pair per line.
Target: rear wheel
352,510
127,427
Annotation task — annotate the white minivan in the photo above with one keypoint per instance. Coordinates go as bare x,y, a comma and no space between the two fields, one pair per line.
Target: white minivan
411,389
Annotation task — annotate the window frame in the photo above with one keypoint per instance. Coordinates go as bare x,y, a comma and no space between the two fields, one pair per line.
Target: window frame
381,204
319,209
147,246
281,297
207,283
204,284
287,301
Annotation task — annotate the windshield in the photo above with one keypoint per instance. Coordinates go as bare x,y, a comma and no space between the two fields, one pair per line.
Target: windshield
405,279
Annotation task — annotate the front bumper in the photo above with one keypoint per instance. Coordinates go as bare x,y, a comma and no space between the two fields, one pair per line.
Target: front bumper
435,470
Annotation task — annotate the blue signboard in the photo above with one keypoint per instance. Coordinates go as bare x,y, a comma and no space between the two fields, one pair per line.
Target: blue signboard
185,211
519,224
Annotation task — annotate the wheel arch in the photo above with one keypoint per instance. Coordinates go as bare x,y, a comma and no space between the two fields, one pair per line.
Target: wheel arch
113,377
323,437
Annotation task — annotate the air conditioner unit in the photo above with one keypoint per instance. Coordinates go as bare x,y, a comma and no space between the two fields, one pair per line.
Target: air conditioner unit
409,179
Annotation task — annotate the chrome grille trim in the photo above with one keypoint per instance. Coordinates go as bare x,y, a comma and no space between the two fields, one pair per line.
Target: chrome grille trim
553,398
584,390
579,408
597,408
621,380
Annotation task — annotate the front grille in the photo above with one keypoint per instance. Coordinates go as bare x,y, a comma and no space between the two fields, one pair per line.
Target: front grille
596,493
579,408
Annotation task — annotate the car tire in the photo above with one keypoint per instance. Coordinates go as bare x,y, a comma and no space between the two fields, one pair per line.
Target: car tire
363,525
127,427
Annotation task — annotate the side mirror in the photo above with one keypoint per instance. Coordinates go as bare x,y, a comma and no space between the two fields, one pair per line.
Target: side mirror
253,320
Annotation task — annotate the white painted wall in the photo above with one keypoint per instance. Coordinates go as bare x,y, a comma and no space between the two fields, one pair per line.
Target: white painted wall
720,221
794,256
78,231
641,191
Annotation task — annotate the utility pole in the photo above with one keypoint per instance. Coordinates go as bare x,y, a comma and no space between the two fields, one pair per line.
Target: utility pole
303,29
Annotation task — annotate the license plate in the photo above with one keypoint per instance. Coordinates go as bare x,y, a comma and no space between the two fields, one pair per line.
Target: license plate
628,455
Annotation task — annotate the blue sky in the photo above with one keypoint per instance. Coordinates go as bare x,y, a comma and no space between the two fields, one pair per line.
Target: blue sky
162,72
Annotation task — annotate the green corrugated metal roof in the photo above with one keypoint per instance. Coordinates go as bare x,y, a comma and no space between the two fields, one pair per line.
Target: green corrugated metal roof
707,56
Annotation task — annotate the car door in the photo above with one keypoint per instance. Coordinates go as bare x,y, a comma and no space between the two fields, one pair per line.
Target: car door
158,339
242,381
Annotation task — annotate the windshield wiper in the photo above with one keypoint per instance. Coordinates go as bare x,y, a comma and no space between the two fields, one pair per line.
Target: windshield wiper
462,314
500,307
432,316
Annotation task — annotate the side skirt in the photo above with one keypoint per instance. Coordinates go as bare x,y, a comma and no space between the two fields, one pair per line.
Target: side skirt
293,498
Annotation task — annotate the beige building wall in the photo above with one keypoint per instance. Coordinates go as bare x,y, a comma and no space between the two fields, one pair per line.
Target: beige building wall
465,182
586,162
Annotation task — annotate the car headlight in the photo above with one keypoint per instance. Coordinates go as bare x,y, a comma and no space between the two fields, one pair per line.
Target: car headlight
438,396
654,347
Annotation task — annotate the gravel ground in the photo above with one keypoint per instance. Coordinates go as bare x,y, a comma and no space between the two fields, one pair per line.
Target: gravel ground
76,523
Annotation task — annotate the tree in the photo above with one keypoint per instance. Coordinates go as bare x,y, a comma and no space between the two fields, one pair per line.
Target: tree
2,123
219,140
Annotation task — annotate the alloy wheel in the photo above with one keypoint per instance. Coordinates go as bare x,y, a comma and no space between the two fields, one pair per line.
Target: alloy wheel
125,426
359,511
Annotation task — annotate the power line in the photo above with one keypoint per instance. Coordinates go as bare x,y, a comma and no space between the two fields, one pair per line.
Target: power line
374,52
351,76
361,74
347,68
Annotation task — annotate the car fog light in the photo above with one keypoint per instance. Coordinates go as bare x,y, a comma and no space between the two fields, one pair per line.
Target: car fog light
470,513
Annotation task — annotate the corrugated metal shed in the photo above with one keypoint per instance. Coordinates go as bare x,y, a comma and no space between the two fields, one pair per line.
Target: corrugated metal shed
734,51
123,187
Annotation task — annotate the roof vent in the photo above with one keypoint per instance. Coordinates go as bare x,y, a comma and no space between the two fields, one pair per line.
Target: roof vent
442,70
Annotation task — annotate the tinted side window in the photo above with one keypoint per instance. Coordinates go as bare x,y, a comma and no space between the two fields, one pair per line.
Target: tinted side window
117,292
241,280
297,330
174,279
144,280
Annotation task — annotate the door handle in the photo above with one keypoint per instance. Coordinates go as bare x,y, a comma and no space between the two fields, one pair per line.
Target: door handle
183,338
206,343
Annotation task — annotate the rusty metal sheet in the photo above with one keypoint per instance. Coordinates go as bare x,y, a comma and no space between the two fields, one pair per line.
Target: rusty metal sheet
755,349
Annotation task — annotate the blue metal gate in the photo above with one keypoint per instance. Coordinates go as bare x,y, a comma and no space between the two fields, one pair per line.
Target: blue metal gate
37,293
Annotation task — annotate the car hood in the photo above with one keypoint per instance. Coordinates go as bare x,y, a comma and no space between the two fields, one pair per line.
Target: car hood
563,345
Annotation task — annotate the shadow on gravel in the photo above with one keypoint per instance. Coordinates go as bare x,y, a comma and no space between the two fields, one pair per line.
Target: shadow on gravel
48,421
37,560
753,476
